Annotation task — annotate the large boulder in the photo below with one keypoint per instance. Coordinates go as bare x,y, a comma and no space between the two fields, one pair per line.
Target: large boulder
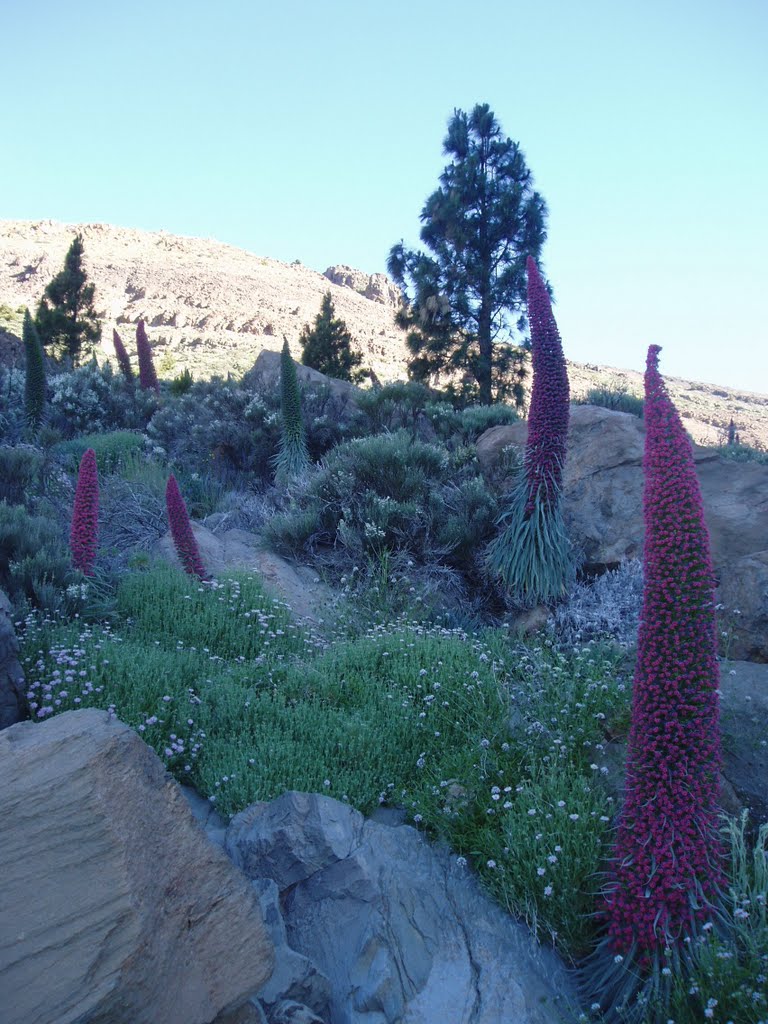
297,585
603,498
399,928
13,701
744,726
266,372
116,909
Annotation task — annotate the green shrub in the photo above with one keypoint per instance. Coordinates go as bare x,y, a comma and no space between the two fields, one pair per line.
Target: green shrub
390,493
743,453
619,398
35,566
181,383
113,450
13,417
21,468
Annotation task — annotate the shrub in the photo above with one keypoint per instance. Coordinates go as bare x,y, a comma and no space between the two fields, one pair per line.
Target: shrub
389,493
743,453
218,426
617,397
35,567
667,868
21,468
531,556
181,531
604,608
13,417
113,449
83,538
93,399
181,383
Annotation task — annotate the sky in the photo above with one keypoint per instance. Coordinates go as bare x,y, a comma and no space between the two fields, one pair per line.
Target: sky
313,131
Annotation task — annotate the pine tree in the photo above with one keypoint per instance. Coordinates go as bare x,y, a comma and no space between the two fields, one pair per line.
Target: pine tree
327,347
66,320
34,389
466,296
292,458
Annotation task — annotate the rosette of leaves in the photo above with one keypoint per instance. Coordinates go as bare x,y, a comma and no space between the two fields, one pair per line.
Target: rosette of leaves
531,555
83,538
34,384
663,887
181,531
292,459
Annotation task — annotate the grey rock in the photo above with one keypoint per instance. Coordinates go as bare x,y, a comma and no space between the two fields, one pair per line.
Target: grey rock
603,503
401,931
295,977
116,909
744,725
289,1012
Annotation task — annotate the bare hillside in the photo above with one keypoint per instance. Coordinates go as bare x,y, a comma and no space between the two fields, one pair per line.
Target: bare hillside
212,308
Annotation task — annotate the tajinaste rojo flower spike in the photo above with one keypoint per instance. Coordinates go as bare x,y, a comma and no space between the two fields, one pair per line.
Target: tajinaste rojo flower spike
123,360
83,538
666,869
147,372
531,556
181,531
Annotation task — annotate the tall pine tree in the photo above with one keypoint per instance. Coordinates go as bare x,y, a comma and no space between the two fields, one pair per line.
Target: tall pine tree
66,320
465,297
327,346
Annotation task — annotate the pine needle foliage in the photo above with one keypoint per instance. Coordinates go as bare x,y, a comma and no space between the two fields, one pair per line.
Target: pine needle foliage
34,383
292,459
327,346
531,556
66,319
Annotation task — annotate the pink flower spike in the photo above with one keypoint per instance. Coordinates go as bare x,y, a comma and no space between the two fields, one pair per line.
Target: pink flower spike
83,538
147,373
181,531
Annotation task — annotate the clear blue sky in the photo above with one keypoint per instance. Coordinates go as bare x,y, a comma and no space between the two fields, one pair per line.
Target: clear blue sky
313,131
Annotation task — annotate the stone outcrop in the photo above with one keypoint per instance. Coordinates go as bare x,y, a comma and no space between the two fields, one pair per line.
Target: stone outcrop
376,287
116,908
13,701
603,493
744,726
266,372
297,585
399,929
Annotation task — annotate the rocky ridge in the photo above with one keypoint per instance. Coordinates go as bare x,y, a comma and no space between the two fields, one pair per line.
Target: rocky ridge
212,308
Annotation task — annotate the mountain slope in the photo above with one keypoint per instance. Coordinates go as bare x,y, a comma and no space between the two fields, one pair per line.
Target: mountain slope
212,308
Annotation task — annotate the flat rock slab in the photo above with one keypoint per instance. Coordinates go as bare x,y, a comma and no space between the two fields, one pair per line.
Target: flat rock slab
115,907
298,585
399,929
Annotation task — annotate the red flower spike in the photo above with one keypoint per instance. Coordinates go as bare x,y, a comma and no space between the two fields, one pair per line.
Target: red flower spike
122,356
147,373
181,531
83,538
667,860
550,396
